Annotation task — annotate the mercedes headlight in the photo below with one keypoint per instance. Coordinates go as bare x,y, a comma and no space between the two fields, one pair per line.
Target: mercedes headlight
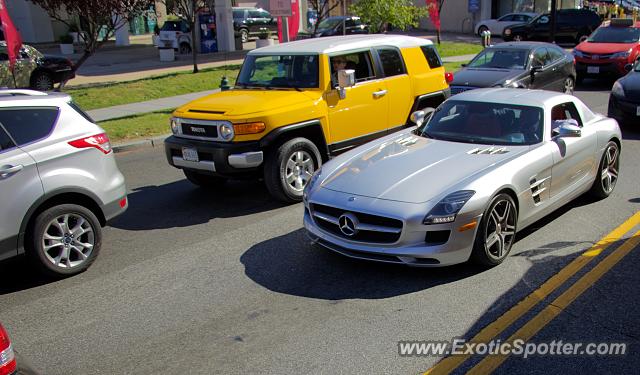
226,132
621,55
175,125
447,209
577,53
617,89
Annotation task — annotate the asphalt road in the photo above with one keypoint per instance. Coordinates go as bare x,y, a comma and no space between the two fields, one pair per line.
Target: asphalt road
203,282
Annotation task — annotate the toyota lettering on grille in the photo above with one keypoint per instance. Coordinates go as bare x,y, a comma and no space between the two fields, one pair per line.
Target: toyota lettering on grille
198,130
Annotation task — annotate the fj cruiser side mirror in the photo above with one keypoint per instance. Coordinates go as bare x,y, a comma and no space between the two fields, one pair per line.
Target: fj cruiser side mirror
346,78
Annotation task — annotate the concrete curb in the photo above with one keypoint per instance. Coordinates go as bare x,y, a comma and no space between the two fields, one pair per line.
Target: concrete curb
141,143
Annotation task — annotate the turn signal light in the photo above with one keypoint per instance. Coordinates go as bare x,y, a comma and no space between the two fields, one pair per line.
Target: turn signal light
448,76
249,128
98,141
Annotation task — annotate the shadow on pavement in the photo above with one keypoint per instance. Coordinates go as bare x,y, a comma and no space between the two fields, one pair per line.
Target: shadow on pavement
289,264
18,274
182,204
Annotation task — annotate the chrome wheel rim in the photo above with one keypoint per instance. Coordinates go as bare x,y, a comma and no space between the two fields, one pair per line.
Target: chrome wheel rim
244,36
299,169
43,83
68,241
517,38
500,229
568,85
609,172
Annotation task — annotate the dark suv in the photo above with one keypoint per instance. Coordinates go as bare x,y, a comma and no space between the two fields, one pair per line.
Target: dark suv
333,26
252,21
571,25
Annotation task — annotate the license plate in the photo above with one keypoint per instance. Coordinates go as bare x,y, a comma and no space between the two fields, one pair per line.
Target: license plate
593,69
638,111
190,154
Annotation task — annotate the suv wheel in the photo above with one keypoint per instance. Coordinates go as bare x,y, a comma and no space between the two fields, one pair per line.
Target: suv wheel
244,35
289,168
64,240
42,81
482,29
204,180
185,48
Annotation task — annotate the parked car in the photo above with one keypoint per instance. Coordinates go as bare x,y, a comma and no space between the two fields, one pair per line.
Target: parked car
10,362
290,111
33,69
608,51
624,99
176,35
460,185
571,25
333,26
252,21
496,26
69,185
534,65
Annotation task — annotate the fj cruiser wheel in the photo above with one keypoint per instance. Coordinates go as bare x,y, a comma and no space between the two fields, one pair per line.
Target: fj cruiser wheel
244,35
64,240
496,232
607,176
289,168
204,180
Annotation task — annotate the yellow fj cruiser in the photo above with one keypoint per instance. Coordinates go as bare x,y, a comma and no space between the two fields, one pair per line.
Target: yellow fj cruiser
297,104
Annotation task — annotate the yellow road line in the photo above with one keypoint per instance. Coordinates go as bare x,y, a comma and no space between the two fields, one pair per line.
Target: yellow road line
490,363
488,333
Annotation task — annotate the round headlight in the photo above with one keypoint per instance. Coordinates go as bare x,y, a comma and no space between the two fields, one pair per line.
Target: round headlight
226,131
175,125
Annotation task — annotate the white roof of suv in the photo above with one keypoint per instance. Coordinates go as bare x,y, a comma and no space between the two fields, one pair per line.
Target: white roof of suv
335,44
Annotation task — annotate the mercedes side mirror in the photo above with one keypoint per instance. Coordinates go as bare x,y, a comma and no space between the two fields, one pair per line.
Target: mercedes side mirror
536,69
568,130
346,78
422,116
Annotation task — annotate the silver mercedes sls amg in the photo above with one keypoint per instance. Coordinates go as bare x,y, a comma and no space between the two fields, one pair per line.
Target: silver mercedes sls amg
458,186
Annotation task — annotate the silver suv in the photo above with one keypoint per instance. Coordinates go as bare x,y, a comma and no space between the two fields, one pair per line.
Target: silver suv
59,182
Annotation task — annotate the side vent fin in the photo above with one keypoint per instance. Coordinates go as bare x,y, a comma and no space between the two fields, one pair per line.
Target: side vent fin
488,151
537,188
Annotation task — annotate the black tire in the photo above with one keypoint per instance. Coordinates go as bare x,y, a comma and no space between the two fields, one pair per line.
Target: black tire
278,167
568,85
483,254
481,29
185,48
519,38
603,185
42,81
204,180
244,35
44,247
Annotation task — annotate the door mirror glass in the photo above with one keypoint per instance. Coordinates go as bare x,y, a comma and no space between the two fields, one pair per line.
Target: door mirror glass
566,128
346,78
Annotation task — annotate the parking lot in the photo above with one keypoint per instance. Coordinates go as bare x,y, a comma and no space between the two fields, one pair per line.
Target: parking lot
197,281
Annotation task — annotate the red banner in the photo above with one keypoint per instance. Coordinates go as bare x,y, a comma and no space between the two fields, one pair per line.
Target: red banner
11,35
293,22
434,15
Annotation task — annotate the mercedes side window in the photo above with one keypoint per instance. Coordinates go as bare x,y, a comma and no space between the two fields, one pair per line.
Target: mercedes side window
27,125
392,64
432,56
565,111
5,141
507,18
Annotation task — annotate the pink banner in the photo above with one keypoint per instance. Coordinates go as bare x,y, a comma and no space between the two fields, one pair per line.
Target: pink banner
293,22
434,15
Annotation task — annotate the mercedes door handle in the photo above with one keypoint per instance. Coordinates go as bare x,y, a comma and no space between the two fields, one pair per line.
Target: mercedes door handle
8,170
379,94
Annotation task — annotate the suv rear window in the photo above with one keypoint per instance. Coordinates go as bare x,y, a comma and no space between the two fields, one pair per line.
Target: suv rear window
432,56
27,125
392,64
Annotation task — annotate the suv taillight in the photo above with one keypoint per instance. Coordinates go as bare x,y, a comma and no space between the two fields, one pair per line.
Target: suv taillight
99,141
448,76
7,357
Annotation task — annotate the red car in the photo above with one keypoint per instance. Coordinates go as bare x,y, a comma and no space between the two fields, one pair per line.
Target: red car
608,50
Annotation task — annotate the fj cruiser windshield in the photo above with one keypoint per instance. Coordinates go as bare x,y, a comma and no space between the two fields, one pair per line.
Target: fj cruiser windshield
279,71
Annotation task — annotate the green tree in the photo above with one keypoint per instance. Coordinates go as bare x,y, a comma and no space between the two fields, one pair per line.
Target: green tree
379,14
